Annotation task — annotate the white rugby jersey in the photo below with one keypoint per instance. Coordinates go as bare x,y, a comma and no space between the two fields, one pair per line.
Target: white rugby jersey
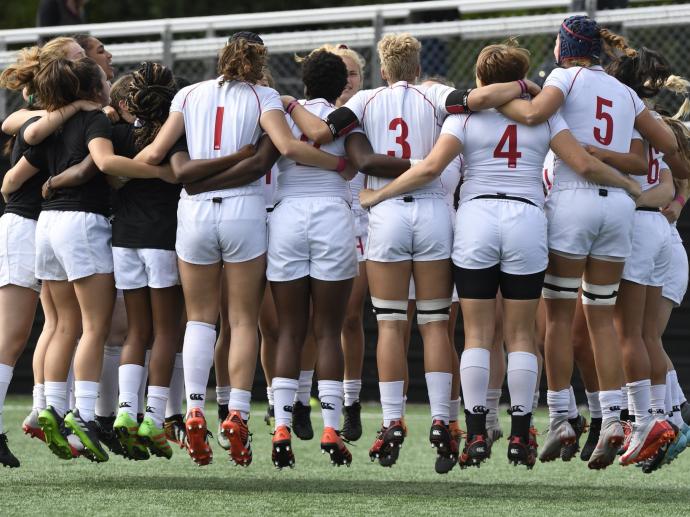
502,156
299,180
655,162
219,120
402,120
599,111
450,178
270,180
356,185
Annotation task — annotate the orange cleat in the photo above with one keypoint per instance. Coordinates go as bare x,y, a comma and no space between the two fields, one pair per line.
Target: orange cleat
282,455
196,437
332,443
236,431
646,441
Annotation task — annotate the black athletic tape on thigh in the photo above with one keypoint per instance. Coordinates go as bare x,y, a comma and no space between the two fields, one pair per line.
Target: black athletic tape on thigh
592,296
458,102
554,287
341,121
385,310
445,310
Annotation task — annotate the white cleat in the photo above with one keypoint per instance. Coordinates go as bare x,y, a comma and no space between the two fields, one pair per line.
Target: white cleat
611,438
560,433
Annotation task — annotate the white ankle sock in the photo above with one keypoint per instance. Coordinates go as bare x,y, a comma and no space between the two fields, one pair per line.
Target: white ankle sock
391,400
222,395
156,402
284,390
331,397
106,405
610,403
677,388
269,395
141,396
304,390
39,397
627,401
56,396
474,377
572,404
454,409
594,404
199,341
640,392
438,386
130,380
493,398
351,390
174,405
85,395
535,400
240,400
522,379
558,402
5,377
676,393
658,392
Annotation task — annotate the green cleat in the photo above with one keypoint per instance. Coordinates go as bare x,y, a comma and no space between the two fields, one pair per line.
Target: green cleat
154,438
126,429
53,428
87,432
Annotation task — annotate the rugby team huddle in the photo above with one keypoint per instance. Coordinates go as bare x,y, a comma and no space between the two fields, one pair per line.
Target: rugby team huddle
547,215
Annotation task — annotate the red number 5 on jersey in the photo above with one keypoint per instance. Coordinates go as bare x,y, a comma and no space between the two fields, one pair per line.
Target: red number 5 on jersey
606,117
509,136
401,139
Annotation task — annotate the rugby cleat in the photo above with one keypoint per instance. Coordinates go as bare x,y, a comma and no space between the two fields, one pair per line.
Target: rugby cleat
301,421
592,439
442,439
282,455
87,432
646,440
685,412
532,443
332,443
153,438
220,437
561,434
31,426
569,450
53,427
520,452
270,415
476,450
235,430
6,457
386,447
493,433
174,429
126,429
678,445
611,437
107,435
352,422
196,437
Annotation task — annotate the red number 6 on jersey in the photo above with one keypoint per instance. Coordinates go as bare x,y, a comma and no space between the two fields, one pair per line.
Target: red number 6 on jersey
606,117
401,139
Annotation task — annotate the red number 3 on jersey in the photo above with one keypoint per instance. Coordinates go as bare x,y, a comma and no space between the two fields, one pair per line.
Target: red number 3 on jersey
401,139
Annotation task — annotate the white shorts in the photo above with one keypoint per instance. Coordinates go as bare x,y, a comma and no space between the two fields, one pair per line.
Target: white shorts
18,252
137,268
651,250
72,245
676,279
231,229
361,234
582,222
419,230
311,237
499,231
412,294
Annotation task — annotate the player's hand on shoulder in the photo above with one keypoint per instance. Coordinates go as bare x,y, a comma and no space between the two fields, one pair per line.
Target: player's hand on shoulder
112,114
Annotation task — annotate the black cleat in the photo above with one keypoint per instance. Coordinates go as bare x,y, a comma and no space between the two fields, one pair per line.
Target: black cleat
301,421
446,447
104,428
386,447
520,452
352,423
592,439
579,425
270,415
477,448
6,457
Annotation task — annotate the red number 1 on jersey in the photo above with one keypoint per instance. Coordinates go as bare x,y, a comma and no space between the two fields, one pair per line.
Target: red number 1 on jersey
218,129
510,136
401,139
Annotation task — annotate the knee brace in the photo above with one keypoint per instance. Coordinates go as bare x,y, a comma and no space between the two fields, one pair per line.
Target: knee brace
389,310
558,287
433,310
593,294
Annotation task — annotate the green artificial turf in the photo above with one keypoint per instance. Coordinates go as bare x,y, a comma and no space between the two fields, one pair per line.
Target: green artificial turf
45,485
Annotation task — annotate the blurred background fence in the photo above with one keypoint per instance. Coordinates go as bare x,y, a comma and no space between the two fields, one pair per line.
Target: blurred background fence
452,32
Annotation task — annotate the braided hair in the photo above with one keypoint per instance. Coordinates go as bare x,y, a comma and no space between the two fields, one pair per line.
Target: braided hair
148,98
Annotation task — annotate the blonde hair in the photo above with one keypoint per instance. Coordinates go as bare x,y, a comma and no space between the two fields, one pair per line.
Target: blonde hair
119,90
30,60
679,85
399,55
502,63
615,44
339,50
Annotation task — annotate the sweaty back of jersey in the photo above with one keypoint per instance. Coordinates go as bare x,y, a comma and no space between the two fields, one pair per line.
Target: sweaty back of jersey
598,109
219,120
404,121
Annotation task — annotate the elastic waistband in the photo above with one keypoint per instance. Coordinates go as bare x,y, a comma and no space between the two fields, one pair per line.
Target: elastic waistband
500,195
